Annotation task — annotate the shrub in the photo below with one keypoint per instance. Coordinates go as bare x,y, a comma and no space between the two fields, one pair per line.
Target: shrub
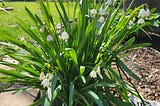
73,63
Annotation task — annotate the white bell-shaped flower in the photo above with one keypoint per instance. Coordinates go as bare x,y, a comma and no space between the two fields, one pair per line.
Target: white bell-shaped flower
142,13
101,19
49,38
65,36
93,74
141,21
93,11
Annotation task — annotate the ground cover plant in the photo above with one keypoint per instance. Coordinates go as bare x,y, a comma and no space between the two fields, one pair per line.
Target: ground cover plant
72,62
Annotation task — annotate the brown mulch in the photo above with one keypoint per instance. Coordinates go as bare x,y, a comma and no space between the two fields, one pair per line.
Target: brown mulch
148,61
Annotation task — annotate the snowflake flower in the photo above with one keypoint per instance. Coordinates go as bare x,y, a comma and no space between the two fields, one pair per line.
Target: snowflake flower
93,74
102,12
65,36
140,21
93,12
143,13
101,19
42,29
45,82
131,22
49,38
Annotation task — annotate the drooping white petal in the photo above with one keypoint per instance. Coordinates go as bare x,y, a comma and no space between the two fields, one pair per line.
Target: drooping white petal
147,12
42,76
109,2
99,72
49,38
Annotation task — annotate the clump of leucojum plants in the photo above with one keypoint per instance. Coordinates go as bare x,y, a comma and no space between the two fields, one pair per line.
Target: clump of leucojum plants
73,63
145,16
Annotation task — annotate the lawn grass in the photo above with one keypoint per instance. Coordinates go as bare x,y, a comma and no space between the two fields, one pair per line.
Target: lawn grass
8,25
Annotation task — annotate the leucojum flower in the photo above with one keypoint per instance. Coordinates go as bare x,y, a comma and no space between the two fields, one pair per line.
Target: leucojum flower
64,36
45,79
141,21
94,72
49,38
101,19
93,12
102,12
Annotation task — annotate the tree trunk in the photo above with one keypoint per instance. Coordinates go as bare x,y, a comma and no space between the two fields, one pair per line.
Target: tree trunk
151,4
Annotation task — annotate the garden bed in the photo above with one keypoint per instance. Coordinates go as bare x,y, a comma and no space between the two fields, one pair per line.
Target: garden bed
148,61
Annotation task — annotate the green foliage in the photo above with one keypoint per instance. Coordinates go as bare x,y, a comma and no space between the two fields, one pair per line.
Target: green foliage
73,64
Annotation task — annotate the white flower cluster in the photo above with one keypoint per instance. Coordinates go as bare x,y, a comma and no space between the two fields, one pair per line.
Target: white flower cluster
93,74
101,13
45,79
141,17
63,36
143,14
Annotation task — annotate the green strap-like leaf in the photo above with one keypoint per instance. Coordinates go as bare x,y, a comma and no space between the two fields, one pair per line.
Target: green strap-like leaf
95,97
127,44
126,69
12,73
71,93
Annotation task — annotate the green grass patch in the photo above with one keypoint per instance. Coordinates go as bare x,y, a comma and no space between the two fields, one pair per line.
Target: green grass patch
9,26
